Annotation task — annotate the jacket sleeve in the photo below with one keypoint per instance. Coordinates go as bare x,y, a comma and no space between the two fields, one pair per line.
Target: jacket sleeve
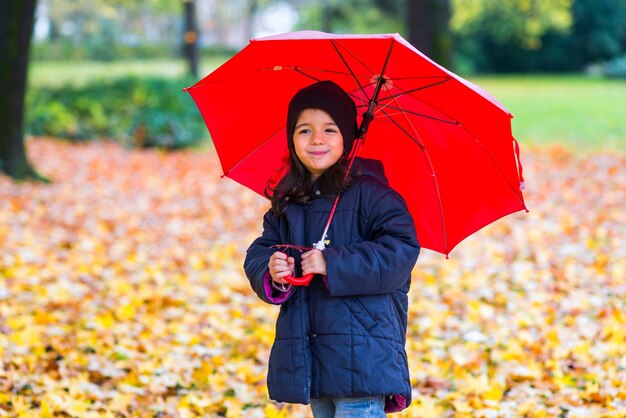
382,263
257,257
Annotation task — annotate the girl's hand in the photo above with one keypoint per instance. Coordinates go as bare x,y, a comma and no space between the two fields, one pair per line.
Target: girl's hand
280,265
313,261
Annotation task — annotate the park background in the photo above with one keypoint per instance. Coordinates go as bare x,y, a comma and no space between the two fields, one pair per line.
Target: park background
121,286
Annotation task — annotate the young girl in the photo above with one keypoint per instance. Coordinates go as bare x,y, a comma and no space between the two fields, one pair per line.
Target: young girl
339,341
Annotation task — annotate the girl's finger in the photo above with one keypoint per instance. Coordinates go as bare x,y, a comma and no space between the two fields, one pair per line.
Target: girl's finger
279,262
307,254
279,255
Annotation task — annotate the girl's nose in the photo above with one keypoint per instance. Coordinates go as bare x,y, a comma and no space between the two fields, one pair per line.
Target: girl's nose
317,137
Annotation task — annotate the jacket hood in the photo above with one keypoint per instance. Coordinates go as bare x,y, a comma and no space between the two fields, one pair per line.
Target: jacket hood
370,168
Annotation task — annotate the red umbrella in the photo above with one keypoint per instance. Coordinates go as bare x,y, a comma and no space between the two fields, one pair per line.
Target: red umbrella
445,143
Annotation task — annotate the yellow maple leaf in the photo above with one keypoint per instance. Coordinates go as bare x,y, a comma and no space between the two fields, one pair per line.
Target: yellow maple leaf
513,351
20,404
425,407
17,322
474,384
105,320
201,374
132,379
496,392
462,407
28,337
553,338
44,410
126,312
271,411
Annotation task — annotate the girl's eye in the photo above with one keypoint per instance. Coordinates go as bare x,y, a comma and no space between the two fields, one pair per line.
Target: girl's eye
304,131
331,130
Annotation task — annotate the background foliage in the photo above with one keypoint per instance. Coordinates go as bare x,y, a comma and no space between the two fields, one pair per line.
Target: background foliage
579,111
490,35
524,36
137,111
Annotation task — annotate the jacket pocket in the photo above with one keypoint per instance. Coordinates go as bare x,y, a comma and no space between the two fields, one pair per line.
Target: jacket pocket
361,314
376,316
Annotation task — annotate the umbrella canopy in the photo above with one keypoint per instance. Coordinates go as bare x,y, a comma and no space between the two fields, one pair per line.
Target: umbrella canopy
445,143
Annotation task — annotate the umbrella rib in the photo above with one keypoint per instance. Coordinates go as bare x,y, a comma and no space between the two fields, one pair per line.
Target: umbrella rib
432,170
359,60
403,130
405,92
392,97
451,120
482,146
302,71
204,82
241,160
356,57
443,222
333,43
382,72
380,82
402,110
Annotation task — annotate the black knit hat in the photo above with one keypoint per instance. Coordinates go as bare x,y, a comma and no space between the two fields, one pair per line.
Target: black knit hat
329,97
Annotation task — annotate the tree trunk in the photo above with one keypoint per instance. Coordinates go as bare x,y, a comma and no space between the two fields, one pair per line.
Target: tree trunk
191,37
428,24
327,17
250,15
17,18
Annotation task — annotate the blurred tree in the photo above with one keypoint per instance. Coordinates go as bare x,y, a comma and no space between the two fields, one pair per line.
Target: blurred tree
190,48
16,27
573,37
597,34
110,29
428,27
520,22
494,35
251,11
599,29
426,21
352,16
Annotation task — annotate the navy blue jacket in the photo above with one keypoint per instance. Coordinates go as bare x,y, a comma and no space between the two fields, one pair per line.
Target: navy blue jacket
343,337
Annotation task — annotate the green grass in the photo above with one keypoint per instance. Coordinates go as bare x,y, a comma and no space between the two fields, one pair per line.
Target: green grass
57,73
579,112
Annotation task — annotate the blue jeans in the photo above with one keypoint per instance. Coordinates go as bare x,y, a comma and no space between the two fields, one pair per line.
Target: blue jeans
369,407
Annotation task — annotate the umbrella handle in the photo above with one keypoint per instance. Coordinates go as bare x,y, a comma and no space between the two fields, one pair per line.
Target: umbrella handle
299,281
296,281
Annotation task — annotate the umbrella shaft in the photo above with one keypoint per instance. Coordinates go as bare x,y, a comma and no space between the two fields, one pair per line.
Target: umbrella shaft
321,244
365,123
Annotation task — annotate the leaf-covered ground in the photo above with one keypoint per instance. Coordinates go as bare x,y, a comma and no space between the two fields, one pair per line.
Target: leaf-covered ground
122,294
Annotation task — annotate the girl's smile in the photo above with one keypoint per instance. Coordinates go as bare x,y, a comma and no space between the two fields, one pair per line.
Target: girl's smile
317,140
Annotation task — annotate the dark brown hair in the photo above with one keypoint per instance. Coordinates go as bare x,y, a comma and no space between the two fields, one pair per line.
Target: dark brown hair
296,185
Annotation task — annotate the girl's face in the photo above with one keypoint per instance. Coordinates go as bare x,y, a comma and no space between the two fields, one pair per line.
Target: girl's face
317,140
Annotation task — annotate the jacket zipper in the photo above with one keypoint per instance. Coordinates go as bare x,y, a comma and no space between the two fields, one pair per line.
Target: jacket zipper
310,334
